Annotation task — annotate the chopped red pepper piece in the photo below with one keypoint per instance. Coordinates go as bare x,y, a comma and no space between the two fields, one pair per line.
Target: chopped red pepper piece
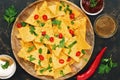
36,17
51,39
69,59
72,16
45,17
78,53
60,35
43,33
41,57
19,25
71,32
61,61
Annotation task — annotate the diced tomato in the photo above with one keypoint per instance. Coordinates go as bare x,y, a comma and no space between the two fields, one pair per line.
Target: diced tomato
71,32
19,25
61,61
41,57
43,33
36,17
69,59
78,53
45,17
51,39
60,35
72,16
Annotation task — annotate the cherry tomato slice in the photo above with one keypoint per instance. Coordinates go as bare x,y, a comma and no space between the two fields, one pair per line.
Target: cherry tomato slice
45,17
41,57
61,61
19,25
36,17
43,33
51,39
78,53
71,32
60,35
72,16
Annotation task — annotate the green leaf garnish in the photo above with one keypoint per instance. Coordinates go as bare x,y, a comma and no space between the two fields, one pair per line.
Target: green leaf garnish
72,22
23,24
60,8
54,47
69,51
47,37
32,30
45,69
10,15
30,48
31,58
83,51
62,43
93,3
106,65
39,62
5,66
40,50
62,3
50,60
57,22
62,73
68,9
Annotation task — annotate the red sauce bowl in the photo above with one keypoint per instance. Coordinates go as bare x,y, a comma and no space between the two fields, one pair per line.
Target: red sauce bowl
90,9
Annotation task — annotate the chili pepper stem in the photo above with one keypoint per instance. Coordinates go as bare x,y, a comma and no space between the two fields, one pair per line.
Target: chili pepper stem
93,67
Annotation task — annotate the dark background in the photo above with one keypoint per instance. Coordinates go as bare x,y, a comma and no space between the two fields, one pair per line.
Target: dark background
112,7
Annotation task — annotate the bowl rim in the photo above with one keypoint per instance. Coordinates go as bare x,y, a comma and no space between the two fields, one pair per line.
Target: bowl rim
89,12
13,72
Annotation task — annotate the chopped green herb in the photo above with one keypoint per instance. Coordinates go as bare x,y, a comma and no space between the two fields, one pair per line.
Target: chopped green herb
31,58
39,62
10,15
32,30
42,24
57,22
48,51
23,24
5,66
50,60
69,51
72,44
68,9
62,73
68,27
41,39
72,22
62,43
40,50
44,69
106,65
85,59
54,47
30,48
47,37
60,8
62,3
93,3
83,51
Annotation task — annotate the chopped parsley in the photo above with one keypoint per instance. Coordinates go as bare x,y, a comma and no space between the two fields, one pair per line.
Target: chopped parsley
62,3
47,37
67,8
83,51
106,65
39,62
50,60
62,43
60,8
54,47
40,50
69,51
31,58
72,22
57,22
62,73
45,69
30,48
48,51
5,66
32,30
23,24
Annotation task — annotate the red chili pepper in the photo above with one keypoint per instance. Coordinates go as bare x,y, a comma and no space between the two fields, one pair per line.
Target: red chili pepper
72,16
19,25
41,57
78,53
51,39
71,32
45,17
61,61
36,17
43,33
60,35
93,67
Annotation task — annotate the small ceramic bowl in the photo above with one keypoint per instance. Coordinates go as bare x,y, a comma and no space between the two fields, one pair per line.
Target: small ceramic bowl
105,26
7,66
85,6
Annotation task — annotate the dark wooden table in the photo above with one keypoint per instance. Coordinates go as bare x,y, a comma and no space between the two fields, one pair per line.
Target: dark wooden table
112,7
